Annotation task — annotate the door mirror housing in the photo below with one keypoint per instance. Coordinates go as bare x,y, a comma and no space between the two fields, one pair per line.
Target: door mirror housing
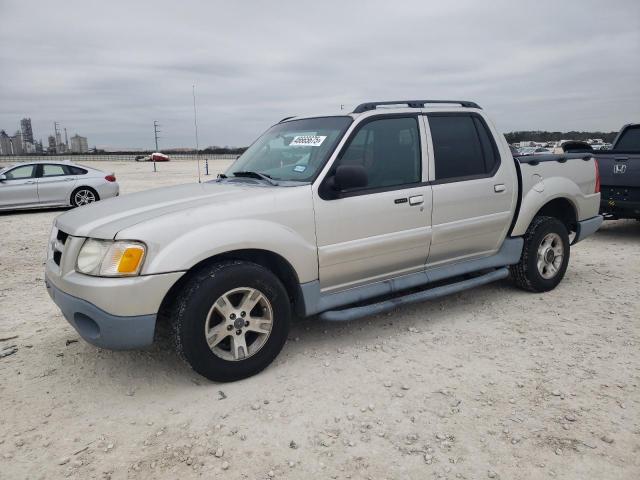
348,177
3,177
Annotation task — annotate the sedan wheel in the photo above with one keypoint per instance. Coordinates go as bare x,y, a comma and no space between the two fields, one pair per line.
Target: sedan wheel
83,196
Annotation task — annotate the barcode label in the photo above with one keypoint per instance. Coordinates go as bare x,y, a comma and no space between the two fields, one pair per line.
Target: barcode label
307,140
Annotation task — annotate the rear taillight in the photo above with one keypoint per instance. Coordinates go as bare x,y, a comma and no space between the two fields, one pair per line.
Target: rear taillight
110,178
597,189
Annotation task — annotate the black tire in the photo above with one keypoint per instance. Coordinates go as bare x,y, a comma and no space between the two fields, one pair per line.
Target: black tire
525,273
196,299
73,200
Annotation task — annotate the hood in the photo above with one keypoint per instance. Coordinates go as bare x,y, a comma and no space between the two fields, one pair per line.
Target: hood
104,219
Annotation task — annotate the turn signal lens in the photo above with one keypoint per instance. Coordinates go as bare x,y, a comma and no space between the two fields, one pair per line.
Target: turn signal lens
130,260
123,258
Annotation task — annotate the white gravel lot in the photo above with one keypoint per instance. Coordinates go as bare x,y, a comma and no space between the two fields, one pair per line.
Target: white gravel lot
490,383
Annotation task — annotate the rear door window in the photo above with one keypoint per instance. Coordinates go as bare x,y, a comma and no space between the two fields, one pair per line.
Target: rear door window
51,170
462,146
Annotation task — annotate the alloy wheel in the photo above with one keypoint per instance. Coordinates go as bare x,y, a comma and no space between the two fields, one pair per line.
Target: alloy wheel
239,323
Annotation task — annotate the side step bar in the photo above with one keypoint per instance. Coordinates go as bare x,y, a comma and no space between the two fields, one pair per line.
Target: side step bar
349,314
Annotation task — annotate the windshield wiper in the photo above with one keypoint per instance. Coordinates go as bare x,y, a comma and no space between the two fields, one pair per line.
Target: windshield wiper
258,175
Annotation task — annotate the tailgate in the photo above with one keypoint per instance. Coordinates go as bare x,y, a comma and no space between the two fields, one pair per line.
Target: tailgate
619,169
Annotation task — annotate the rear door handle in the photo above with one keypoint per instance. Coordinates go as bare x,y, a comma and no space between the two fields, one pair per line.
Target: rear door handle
30,182
416,200
499,188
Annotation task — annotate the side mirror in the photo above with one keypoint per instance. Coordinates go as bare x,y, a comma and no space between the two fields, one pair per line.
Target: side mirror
348,177
3,177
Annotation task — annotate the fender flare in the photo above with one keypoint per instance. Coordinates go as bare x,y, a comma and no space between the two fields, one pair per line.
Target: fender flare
554,188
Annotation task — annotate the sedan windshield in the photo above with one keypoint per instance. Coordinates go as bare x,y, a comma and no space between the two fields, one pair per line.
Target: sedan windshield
291,151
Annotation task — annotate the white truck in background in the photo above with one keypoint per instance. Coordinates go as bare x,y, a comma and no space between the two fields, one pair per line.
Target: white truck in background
339,216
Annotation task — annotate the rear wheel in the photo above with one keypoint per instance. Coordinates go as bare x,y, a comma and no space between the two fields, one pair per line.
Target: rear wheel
83,196
231,320
545,255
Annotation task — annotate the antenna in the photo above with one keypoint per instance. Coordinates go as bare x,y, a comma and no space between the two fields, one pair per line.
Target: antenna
195,125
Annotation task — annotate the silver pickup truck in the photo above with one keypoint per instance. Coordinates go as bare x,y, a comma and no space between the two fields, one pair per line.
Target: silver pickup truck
340,216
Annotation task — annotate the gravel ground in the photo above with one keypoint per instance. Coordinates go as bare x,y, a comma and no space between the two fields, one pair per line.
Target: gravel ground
489,383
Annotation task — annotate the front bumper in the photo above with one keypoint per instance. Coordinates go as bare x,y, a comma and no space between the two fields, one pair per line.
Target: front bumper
101,328
116,313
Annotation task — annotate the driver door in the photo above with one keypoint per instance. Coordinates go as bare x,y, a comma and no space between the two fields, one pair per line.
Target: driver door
382,230
19,189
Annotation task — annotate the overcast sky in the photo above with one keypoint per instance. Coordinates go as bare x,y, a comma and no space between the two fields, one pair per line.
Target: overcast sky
107,69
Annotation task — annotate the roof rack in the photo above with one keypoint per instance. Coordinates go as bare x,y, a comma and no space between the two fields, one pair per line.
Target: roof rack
365,107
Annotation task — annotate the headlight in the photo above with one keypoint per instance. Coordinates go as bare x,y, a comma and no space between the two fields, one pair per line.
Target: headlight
107,258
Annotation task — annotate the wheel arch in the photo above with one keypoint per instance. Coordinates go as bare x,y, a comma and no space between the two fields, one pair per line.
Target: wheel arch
562,209
559,207
272,261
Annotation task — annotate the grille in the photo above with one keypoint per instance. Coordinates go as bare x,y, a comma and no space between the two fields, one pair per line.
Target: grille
58,246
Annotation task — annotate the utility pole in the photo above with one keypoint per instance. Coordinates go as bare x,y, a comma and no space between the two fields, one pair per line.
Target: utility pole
155,133
195,126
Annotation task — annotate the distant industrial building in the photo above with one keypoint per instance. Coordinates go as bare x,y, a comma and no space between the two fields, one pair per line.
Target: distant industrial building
79,144
52,144
17,144
5,144
27,131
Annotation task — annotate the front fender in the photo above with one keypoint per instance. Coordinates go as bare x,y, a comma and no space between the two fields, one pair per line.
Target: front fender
193,246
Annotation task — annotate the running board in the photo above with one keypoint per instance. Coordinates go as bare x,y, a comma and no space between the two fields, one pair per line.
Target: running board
353,313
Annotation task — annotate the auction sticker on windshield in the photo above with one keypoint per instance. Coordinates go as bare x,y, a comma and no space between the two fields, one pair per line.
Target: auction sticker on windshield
307,140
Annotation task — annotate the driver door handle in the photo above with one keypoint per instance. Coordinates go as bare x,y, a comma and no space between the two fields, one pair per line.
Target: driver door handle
416,200
499,188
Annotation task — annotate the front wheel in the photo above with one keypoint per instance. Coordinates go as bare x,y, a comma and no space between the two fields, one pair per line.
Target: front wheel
545,256
231,320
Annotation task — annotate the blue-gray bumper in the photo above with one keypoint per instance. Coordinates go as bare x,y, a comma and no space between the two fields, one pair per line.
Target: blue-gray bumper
587,227
101,328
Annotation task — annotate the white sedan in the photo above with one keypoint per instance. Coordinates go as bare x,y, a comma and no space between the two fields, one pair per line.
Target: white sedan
54,184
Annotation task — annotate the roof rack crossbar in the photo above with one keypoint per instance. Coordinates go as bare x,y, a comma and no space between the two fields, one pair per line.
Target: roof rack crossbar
365,107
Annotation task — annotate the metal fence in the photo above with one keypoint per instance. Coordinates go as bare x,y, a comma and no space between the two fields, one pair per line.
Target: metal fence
116,157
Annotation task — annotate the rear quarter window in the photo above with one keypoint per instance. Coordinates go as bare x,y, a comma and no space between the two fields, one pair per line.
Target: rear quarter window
76,170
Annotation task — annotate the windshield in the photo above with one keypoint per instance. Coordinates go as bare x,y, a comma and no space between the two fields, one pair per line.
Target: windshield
294,150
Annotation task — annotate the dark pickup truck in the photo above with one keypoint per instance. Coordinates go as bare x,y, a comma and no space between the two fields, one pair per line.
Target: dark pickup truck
620,175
